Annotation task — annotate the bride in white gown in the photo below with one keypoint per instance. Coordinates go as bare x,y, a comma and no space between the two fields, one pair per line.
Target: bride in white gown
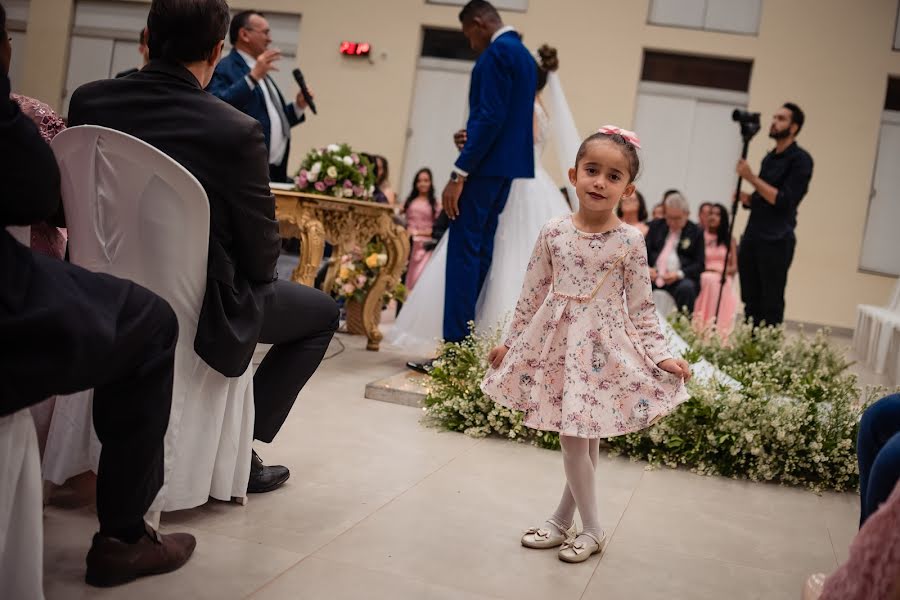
531,203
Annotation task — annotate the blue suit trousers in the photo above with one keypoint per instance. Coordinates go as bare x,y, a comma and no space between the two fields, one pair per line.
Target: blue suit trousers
470,250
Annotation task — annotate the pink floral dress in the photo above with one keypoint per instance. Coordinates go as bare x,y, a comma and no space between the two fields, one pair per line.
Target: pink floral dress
585,339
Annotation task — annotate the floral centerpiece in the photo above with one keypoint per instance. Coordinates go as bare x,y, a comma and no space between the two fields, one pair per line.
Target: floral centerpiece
357,273
338,171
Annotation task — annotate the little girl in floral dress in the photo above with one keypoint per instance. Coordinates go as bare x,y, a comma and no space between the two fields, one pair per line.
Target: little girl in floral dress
585,355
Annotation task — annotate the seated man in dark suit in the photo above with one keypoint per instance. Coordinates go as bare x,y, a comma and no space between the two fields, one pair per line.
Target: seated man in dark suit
65,329
142,50
242,80
165,105
675,253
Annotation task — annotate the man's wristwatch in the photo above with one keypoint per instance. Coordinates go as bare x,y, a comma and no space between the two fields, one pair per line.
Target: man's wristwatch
456,177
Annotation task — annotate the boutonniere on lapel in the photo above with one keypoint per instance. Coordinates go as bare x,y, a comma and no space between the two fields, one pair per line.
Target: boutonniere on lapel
685,243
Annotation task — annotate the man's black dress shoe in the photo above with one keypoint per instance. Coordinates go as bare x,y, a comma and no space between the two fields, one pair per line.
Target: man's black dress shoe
423,367
265,479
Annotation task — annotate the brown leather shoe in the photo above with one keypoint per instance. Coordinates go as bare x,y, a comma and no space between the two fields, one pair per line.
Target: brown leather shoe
112,562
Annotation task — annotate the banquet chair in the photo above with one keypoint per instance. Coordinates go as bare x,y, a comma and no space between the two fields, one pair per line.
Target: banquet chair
135,213
874,327
21,505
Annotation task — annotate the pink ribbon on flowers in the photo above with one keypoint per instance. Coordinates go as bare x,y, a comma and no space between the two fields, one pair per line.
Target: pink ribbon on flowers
630,136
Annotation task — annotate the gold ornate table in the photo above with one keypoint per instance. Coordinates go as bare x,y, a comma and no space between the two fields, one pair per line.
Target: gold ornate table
314,219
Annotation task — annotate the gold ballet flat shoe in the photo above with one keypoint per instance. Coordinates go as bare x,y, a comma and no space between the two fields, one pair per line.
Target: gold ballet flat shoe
542,539
575,551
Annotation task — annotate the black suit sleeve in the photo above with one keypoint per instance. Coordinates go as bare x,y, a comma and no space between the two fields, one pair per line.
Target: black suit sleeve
29,185
257,243
655,240
695,253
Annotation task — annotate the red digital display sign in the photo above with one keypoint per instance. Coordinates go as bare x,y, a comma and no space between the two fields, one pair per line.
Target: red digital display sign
355,48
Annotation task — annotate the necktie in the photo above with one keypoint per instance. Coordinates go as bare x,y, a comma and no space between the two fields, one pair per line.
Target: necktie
276,100
662,263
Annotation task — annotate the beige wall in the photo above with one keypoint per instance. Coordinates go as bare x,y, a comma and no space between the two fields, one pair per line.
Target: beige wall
830,56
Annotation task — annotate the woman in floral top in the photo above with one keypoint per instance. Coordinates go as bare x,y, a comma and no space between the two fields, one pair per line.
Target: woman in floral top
585,355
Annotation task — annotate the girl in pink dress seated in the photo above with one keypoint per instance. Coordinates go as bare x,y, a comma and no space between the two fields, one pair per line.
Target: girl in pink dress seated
585,355
421,209
717,241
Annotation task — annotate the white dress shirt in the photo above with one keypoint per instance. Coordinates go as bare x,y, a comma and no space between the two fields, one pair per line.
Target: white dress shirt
498,33
278,137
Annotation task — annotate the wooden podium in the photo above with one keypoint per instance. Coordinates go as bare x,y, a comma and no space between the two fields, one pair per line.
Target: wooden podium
315,219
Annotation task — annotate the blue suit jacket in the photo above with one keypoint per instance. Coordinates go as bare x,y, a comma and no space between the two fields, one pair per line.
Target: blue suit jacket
228,83
500,140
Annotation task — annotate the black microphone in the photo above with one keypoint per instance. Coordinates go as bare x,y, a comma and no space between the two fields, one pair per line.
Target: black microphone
298,75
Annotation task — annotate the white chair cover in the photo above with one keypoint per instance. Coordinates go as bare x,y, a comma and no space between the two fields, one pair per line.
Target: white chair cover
135,213
21,507
874,327
21,234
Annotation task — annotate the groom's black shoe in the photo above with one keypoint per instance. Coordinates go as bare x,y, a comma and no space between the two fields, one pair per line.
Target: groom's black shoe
263,478
423,367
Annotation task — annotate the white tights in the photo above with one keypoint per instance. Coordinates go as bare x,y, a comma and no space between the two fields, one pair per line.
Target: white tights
580,457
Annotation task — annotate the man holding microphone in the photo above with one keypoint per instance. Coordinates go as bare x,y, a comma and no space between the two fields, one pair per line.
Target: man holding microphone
242,80
767,246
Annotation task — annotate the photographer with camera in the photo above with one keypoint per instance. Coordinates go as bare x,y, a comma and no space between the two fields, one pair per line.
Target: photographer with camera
767,246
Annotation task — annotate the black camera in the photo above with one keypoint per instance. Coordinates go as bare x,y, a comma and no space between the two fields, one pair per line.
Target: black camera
749,122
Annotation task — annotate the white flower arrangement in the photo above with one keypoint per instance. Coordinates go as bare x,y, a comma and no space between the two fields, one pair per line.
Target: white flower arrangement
337,171
794,419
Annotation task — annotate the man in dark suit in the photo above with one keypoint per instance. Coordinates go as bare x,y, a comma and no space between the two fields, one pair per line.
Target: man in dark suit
496,147
165,105
675,253
242,80
65,329
144,52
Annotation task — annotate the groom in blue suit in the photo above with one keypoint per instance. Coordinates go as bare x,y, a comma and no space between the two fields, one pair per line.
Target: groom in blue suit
496,147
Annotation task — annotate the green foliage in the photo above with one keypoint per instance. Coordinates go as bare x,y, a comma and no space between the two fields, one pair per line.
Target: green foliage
794,419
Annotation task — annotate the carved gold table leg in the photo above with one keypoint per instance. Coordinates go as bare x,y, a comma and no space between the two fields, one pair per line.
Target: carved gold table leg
334,266
396,245
312,248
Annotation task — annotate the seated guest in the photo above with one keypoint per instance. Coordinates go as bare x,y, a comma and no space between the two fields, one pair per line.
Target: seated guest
384,193
703,214
878,452
421,210
716,242
65,329
242,80
659,211
873,570
675,253
142,49
245,303
46,238
633,211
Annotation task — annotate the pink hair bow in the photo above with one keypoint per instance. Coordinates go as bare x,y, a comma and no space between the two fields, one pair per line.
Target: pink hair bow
628,135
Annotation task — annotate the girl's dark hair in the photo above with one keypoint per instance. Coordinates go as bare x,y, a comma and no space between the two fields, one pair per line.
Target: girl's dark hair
642,207
414,193
547,62
628,149
722,231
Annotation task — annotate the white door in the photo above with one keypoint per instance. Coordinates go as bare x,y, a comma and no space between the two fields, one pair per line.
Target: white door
440,103
125,56
688,142
881,245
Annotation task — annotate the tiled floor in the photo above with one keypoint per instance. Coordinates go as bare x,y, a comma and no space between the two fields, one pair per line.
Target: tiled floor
381,507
